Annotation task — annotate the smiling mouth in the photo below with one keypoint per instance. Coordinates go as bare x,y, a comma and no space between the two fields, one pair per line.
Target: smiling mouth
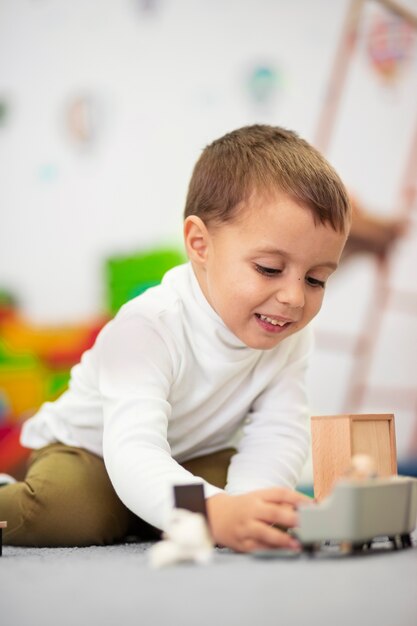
272,323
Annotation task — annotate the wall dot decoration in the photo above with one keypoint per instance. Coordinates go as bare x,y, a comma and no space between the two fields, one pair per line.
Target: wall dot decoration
390,45
48,172
263,83
4,112
82,119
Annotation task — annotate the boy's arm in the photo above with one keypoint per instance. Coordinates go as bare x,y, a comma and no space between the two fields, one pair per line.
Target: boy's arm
267,466
136,372
275,441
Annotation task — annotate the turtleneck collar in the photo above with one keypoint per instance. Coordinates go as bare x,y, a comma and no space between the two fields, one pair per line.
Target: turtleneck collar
213,332
221,335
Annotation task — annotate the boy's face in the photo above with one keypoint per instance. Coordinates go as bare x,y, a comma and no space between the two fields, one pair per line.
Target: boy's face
264,273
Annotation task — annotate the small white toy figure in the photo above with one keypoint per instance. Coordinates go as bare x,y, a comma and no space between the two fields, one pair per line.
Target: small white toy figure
187,539
362,467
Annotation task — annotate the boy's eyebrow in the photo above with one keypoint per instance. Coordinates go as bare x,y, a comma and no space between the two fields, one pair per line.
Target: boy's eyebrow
267,250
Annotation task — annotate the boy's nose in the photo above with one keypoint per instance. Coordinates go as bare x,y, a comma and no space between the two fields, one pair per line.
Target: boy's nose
291,293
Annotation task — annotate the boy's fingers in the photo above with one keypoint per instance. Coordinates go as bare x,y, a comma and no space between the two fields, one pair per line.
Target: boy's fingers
251,545
282,515
284,495
272,537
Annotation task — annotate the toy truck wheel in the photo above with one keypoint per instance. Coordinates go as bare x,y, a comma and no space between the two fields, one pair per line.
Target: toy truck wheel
396,541
406,541
309,549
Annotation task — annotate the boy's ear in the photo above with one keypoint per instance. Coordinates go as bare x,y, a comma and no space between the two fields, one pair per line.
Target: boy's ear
196,239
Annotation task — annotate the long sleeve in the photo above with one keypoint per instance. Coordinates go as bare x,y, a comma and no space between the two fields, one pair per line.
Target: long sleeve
135,377
275,441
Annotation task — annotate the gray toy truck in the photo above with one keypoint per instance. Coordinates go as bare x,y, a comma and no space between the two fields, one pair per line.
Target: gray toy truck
358,513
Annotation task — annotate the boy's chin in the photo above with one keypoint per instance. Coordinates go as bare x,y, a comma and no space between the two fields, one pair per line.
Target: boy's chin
265,343
263,340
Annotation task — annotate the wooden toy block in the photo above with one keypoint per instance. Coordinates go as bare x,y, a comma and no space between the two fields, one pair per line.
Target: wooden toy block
337,438
2,525
190,497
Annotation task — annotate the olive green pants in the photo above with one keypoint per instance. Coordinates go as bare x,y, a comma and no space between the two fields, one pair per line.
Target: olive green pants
67,499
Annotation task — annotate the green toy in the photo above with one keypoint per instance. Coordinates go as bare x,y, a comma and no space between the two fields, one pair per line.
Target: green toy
129,276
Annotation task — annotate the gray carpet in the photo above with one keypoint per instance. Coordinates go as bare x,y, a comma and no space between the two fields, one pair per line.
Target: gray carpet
108,586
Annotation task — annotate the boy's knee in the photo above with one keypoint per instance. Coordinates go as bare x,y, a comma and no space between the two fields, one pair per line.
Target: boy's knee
20,506
72,517
50,516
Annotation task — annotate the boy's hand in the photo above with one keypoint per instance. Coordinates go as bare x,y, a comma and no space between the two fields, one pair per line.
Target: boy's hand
245,522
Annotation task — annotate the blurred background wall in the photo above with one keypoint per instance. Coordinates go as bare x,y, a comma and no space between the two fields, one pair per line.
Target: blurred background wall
105,105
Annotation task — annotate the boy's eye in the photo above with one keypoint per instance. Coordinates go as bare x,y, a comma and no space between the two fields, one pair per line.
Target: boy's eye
315,282
266,271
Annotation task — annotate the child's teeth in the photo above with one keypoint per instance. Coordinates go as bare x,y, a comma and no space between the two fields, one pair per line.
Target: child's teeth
265,318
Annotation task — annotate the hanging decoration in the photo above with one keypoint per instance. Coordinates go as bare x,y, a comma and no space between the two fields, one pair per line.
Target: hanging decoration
263,83
390,45
82,120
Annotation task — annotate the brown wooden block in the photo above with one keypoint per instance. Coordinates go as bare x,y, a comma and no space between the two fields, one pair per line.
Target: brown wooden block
337,438
191,497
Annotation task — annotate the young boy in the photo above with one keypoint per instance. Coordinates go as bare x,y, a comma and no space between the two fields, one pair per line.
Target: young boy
202,377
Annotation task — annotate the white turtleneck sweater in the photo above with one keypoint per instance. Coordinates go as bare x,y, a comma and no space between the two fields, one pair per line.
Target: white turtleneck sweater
167,381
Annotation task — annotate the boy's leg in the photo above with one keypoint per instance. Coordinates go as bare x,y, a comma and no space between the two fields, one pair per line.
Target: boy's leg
66,499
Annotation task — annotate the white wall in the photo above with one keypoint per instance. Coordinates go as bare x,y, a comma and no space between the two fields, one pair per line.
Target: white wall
163,84
163,79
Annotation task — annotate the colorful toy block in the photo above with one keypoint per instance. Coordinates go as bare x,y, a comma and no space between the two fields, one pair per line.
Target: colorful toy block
129,276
